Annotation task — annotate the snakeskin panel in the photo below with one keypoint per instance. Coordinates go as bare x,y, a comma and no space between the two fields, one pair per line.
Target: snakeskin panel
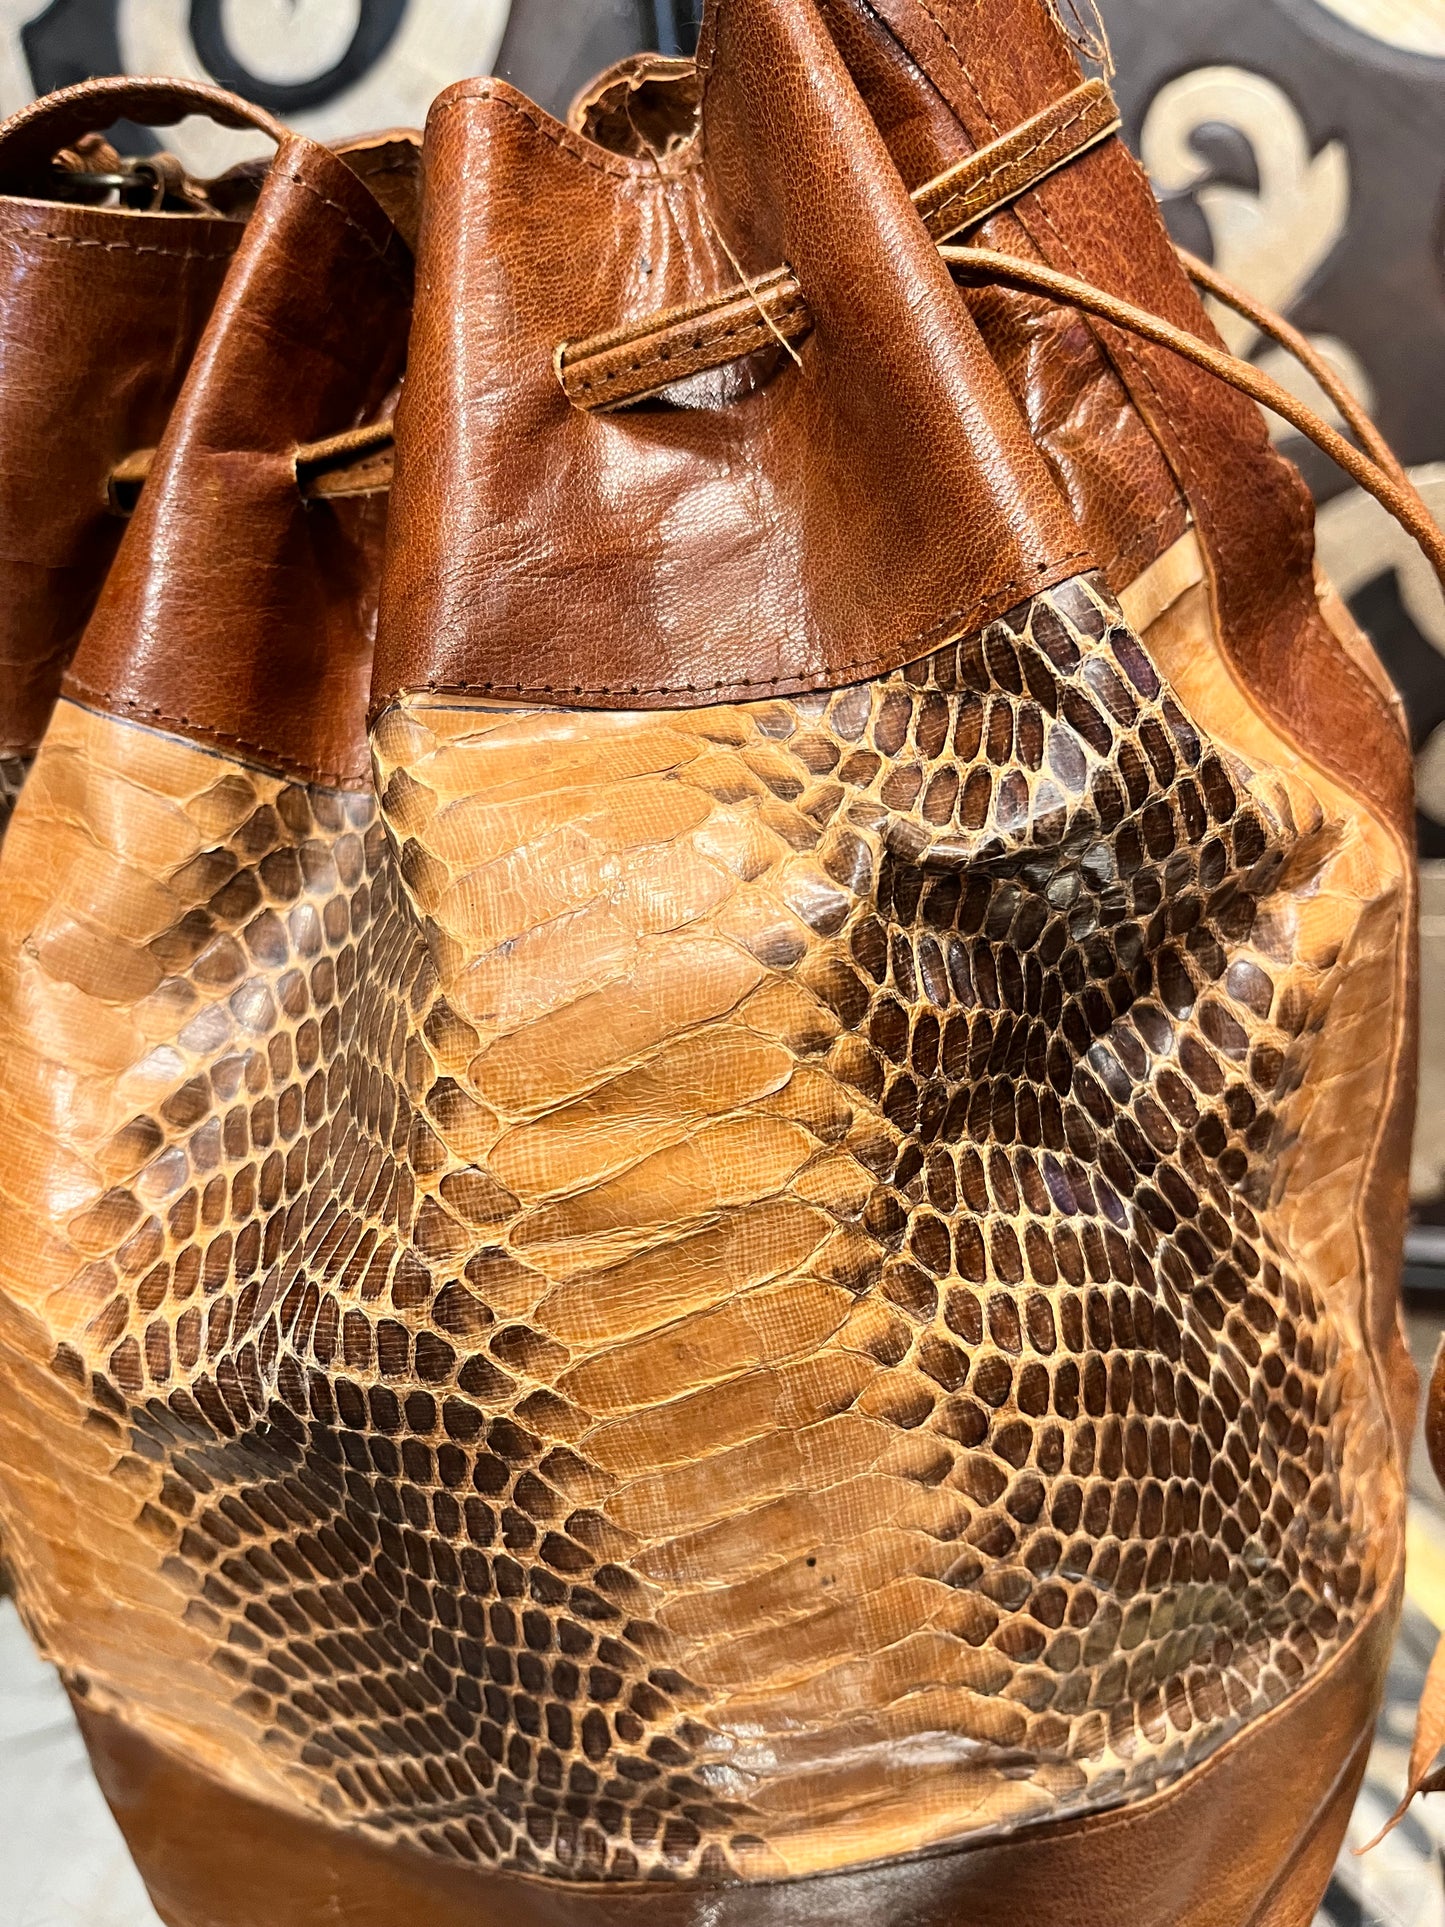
705,1293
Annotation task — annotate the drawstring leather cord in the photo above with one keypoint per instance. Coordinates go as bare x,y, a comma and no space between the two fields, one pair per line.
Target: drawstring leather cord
332,468
1374,467
360,461
1294,343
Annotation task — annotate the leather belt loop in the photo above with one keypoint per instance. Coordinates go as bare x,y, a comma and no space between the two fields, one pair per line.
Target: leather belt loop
967,193
629,363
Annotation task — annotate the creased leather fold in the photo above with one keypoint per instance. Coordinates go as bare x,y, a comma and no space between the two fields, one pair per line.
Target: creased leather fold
725,546
238,614
100,310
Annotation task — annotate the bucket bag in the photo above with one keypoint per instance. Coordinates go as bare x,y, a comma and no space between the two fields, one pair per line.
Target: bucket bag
702,1166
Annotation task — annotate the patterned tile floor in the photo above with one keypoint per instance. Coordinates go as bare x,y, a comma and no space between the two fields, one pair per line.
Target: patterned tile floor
64,1865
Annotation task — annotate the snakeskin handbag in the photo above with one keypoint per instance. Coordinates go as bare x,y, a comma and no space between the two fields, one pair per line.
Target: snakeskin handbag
702,1166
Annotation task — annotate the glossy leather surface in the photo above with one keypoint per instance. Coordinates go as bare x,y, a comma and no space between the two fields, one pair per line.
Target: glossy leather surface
100,311
759,1307
309,339
1108,463
699,552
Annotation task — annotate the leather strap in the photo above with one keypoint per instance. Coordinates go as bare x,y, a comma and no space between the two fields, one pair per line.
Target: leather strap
31,138
630,363
359,462
356,462
1388,484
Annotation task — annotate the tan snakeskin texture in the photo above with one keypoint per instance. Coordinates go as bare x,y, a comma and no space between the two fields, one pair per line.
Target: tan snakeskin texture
703,1293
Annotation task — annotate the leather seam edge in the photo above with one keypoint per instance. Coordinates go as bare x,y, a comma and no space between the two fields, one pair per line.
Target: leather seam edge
203,735
913,649
120,247
382,254
571,144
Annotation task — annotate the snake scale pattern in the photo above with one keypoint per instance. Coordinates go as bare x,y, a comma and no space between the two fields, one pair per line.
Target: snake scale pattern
700,1293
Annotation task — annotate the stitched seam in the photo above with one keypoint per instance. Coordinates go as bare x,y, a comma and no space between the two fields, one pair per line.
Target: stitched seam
962,63
665,323
153,713
1129,348
709,340
655,356
202,254
1126,346
957,621
116,247
381,254
1009,163
1121,344
562,139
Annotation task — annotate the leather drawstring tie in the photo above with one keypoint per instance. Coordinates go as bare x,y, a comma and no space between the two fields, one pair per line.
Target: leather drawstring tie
356,462
359,462
1294,343
1374,467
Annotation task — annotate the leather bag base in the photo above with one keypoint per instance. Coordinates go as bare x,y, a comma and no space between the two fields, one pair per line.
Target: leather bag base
212,1857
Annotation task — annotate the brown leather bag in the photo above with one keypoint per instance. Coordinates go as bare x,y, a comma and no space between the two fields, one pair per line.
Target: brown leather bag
731,1254
108,271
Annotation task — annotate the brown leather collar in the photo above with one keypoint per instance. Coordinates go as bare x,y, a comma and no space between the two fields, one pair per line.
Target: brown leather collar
790,529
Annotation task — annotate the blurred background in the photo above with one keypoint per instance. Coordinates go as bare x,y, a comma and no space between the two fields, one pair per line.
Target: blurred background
1300,146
